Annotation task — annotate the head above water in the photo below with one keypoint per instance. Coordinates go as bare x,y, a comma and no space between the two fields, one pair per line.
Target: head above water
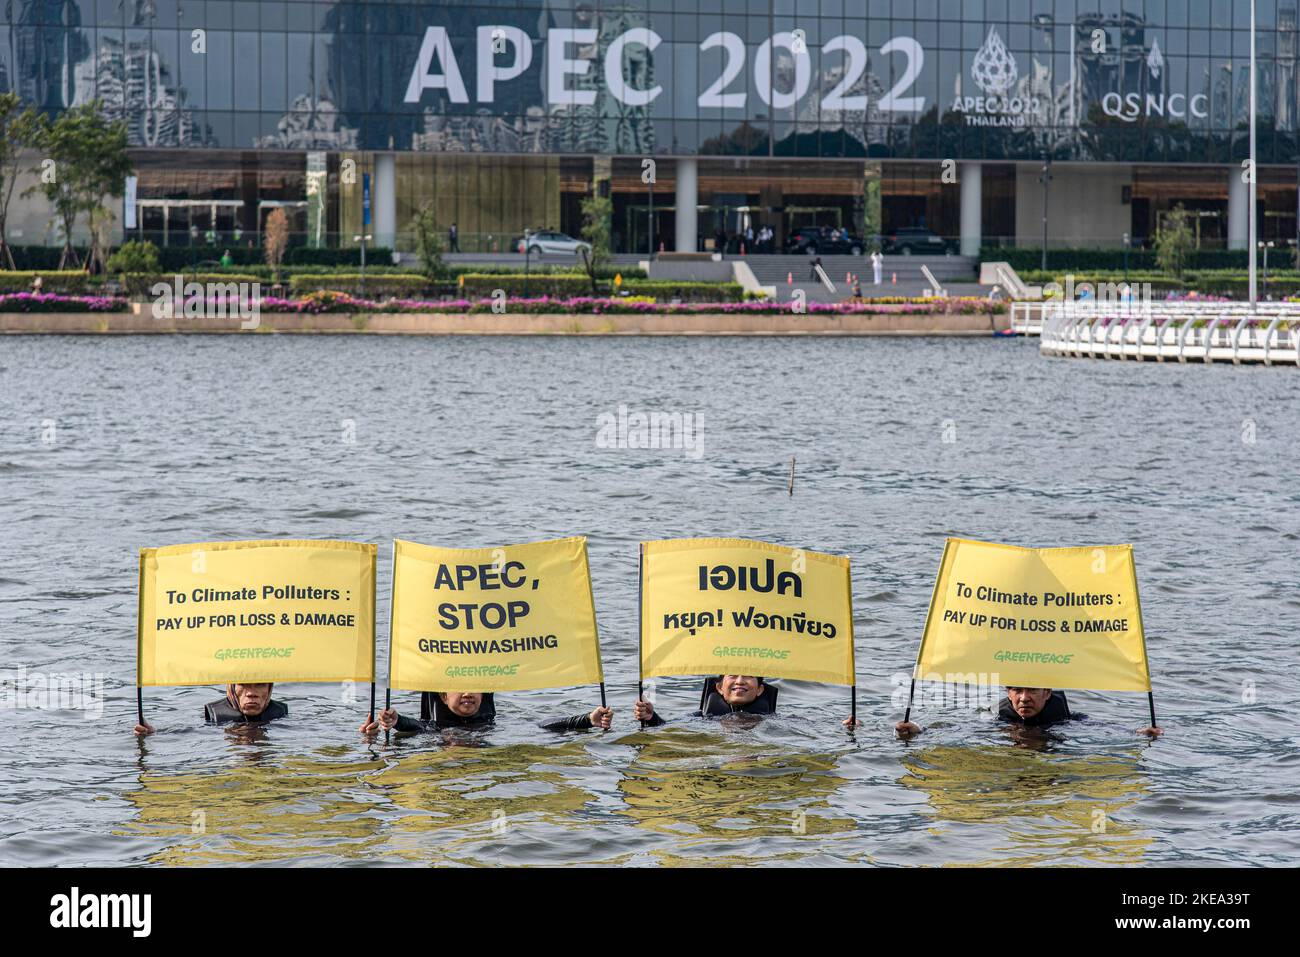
463,703
1028,702
739,689
250,699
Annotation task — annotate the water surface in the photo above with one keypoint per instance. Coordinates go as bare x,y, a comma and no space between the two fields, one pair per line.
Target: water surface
110,444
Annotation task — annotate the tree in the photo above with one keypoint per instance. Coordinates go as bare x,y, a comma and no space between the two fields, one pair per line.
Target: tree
276,240
597,211
1174,241
428,242
84,162
19,131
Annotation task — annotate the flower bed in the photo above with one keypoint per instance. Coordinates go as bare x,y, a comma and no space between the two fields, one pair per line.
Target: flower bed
322,302
57,302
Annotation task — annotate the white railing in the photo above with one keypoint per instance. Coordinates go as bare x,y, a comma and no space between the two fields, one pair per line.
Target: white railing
1027,318
1185,331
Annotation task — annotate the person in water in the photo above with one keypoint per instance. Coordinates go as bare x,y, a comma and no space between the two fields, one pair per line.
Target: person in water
1028,708
723,695
470,709
248,704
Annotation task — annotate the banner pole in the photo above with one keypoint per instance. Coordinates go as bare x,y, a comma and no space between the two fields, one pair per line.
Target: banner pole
1151,700
139,644
640,626
907,715
853,705
602,695
392,593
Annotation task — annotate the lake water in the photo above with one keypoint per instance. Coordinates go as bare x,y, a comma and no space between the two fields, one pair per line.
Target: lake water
110,444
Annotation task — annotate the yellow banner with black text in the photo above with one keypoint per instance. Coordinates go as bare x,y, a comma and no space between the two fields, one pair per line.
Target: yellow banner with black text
256,611
733,606
1036,618
493,619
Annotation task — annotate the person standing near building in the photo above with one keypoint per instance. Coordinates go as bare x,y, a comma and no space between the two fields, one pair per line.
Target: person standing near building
877,266
453,239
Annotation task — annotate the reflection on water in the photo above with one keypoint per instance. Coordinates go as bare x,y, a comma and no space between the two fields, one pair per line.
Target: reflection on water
467,804
259,809
700,786
1049,808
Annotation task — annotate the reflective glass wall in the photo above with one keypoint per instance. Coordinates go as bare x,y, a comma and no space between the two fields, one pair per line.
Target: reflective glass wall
1112,80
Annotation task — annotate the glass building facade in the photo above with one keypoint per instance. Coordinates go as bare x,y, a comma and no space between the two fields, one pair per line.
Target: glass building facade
504,113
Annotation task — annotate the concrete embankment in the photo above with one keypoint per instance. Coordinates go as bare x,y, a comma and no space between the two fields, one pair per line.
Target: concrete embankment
701,324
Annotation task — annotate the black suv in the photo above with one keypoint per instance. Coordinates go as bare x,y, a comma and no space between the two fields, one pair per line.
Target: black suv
814,239
915,239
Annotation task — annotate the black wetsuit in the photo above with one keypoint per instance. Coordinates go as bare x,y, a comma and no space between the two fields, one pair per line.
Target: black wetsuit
1056,709
435,715
223,712
715,706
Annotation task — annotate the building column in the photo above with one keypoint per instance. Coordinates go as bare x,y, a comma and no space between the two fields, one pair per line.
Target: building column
972,202
383,201
687,197
1238,201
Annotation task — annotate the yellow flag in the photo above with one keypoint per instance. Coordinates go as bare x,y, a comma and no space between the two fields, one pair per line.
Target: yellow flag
731,606
493,619
222,612
1035,618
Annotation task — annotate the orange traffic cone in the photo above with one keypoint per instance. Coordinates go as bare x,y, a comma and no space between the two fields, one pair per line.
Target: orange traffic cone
789,279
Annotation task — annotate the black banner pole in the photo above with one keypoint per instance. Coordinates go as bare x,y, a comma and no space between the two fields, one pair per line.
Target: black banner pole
907,715
853,705
1151,700
139,643
640,628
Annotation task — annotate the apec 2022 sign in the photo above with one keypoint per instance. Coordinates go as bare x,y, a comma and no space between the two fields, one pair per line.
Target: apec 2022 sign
782,75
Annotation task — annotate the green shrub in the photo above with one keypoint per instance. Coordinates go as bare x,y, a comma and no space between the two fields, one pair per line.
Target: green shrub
134,257
1025,258
141,285
70,281
381,286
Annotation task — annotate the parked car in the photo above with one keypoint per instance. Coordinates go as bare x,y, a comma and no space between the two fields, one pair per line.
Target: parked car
823,242
915,239
546,241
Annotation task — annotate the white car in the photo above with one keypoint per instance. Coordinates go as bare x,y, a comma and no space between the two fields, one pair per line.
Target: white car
546,242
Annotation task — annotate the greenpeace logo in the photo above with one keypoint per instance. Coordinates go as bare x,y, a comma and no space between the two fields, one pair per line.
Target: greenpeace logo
74,910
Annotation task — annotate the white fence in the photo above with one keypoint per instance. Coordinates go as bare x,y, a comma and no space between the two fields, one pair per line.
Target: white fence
1182,331
1027,318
